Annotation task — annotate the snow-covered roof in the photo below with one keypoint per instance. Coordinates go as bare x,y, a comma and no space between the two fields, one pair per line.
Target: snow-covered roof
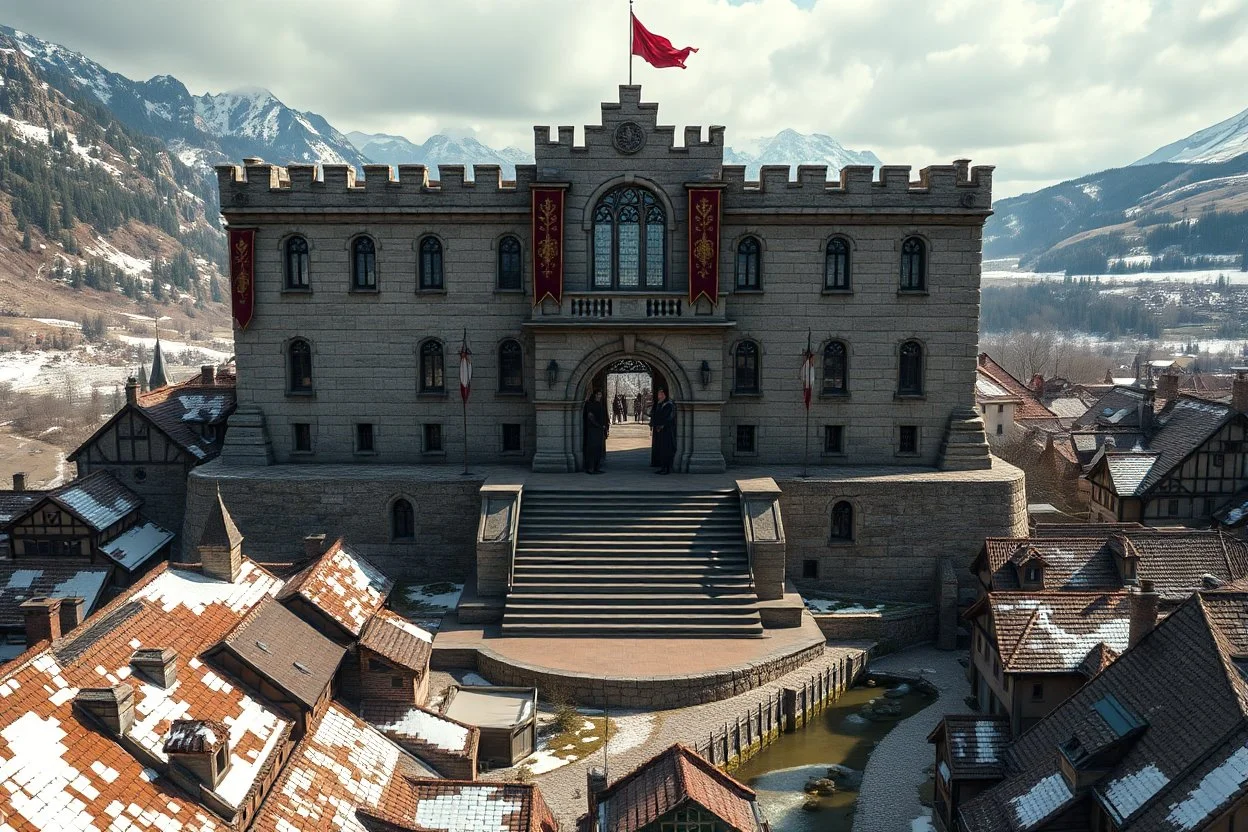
136,545
19,583
98,498
343,585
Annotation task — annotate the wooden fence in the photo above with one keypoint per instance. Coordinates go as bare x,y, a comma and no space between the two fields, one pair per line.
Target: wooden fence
783,711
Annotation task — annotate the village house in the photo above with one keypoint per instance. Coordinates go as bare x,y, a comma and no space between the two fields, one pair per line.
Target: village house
675,790
421,805
1155,742
1011,410
75,591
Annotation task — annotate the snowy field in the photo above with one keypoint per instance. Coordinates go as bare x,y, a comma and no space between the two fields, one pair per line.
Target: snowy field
78,372
1233,276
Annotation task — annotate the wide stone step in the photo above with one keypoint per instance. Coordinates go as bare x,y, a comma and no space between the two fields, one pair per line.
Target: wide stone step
630,616
671,531
586,548
646,598
611,566
687,629
579,586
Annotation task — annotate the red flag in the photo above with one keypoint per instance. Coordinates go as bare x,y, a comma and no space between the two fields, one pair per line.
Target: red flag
656,49
242,275
808,373
465,369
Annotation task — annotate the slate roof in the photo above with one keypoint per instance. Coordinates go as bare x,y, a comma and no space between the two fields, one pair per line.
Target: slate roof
1118,407
1184,425
975,743
98,499
342,585
454,805
1235,512
669,780
399,640
994,383
15,503
136,546
19,582
1165,776
219,528
1053,632
1128,471
279,646
421,727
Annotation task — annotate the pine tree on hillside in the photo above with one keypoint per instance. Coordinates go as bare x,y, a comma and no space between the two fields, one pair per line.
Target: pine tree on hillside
27,243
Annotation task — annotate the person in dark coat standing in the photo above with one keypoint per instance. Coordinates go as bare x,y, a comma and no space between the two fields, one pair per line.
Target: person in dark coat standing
663,427
594,429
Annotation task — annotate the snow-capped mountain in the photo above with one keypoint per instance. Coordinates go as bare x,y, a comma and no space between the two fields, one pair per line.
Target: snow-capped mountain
203,130
1224,140
439,149
789,147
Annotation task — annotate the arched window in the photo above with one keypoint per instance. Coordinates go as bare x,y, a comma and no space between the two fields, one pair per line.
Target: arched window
402,520
748,274
910,369
745,368
510,266
836,265
432,371
296,263
629,240
364,264
299,360
431,263
913,265
510,367
842,521
835,369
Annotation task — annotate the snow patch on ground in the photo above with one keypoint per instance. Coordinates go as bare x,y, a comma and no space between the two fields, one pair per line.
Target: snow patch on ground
133,266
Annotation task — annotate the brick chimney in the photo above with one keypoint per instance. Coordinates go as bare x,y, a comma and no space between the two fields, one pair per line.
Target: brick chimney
72,613
220,546
43,619
1143,605
132,390
19,481
1168,385
158,666
208,374
314,546
595,784
113,707
1239,390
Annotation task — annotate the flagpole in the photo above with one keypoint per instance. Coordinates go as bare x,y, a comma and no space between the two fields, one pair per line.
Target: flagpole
806,368
630,42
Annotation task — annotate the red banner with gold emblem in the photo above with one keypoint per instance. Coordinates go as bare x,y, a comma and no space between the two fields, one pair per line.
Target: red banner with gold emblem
547,244
704,212
243,275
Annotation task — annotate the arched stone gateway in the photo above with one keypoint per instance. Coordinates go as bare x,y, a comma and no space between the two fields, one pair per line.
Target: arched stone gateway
559,432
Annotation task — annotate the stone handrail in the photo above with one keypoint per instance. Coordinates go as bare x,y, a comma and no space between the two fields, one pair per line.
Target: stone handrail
620,305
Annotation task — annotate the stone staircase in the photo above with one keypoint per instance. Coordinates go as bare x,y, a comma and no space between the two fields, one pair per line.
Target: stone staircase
631,563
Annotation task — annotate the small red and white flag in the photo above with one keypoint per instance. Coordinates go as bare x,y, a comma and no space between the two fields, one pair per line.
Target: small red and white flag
808,372
465,369
657,50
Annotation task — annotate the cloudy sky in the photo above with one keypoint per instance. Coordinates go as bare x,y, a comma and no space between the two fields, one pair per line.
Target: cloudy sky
1044,89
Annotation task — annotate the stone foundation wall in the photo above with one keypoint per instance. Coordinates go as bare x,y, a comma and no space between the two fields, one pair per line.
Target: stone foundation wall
890,631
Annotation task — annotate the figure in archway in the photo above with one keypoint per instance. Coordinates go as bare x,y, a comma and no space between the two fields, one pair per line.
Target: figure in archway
594,429
663,427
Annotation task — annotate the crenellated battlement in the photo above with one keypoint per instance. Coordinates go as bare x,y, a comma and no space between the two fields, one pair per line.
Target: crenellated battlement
947,186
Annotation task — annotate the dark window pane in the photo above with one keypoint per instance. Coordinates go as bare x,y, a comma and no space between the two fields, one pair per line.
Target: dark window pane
402,520
655,233
296,263
510,267
431,368
908,439
910,369
431,263
303,437
364,437
836,265
300,355
843,521
835,368
745,439
745,368
511,438
747,264
433,438
510,368
810,569
364,264
833,439
913,265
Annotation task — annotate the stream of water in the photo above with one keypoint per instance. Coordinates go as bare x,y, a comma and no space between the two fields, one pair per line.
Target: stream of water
839,736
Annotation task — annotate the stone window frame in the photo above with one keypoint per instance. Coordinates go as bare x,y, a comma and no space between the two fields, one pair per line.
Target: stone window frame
918,440
926,254
924,354
443,248
502,448
374,436
496,247
852,537
352,286
758,439
851,246
294,437
500,390
421,390
424,436
288,361
843,393
587,227
734,390
759,256
391,505
283,247
842,453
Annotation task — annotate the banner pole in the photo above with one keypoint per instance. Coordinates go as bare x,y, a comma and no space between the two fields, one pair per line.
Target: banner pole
630,42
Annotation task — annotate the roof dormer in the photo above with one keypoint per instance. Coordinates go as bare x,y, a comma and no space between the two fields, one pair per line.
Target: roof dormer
1126,557
1029,565
201,747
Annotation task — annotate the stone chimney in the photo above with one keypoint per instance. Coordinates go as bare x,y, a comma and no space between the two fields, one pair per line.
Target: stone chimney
314,546
1144,410
1168,385
72,613
1239,390
43,620
158,666
113,707
200,746
132,390
19,481
220,546
1143,605
595,784
208,374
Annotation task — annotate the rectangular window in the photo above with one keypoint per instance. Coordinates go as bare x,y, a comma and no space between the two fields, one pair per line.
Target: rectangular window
1000,408
745,439
810,568
1000,429
1172,508
364,438
908,439
834,439
303,437
1219,460
433,439
396,681
1037,691
511,439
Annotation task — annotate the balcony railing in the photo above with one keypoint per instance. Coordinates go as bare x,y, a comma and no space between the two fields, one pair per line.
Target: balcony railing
628,306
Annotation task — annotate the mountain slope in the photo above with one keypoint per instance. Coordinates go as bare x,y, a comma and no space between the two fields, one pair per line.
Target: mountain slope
789,147
1219,143
439,149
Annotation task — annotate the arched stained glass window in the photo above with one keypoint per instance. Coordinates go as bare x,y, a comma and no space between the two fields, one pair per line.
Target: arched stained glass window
629,240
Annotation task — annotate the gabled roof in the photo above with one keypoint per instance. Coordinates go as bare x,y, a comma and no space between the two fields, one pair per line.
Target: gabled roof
994,383
1128,471
98,500
667,781
136,546
1183,426
14,504
1118,407
20,582
342,585
1053,632
413,725
458,805
975,743
399,640
1180,769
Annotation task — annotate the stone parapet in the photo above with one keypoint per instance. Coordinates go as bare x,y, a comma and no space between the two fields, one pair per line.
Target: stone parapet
764,535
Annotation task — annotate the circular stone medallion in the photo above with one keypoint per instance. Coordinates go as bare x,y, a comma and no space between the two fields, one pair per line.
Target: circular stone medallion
629,137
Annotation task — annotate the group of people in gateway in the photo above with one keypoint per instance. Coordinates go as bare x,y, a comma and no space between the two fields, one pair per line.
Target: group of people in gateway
640,406
595,428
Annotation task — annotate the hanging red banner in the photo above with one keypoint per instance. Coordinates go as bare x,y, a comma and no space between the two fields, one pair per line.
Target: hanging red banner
547,244
242,275
704,205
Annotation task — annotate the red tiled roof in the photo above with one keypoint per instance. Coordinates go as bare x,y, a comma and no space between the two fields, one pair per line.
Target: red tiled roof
667,781
343,585
1053,632
1030,407
455,805
399,640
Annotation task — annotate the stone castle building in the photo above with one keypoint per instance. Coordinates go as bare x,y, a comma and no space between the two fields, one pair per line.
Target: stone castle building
349,416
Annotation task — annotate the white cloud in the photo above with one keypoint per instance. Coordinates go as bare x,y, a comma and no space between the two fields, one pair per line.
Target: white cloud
1044,89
